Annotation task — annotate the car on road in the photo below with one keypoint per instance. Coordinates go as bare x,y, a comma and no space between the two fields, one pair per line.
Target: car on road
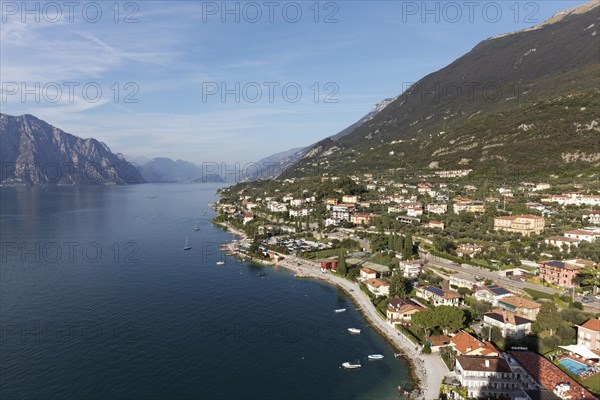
587,299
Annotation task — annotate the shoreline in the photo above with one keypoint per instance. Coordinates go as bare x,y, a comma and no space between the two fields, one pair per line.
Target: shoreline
426,371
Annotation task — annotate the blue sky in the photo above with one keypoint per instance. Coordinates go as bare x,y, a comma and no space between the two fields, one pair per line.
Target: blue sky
175,58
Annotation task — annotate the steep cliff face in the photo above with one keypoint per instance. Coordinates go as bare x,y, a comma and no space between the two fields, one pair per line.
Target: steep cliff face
34,152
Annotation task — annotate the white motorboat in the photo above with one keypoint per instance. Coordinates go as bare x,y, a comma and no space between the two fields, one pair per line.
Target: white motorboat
339,310
220,262
351,365
375,356
353,330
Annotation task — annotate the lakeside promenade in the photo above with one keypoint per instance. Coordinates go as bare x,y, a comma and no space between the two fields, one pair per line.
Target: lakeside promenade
429,369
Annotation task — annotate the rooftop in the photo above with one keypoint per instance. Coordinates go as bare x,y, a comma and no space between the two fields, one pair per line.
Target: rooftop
592,324
506,317
520,302
497,290
548,374
489,364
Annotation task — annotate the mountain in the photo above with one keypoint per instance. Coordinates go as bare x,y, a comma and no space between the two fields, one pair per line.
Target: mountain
34,152
162,169
523,103
272,166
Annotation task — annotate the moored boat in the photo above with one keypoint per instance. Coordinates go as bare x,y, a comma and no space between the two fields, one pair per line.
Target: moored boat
339,310
375,356
351,365
353,330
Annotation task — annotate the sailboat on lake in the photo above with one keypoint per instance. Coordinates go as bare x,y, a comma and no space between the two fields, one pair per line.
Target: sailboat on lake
187,245
196,228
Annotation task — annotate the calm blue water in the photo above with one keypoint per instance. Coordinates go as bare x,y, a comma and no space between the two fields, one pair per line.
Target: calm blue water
99,300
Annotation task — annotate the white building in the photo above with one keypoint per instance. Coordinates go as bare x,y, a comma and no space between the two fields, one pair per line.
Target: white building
588,235
410,269
492,294
486,377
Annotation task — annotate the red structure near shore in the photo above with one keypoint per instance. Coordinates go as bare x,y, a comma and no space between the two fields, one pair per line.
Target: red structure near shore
328,265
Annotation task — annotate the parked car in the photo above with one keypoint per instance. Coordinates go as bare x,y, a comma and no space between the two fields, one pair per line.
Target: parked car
587,299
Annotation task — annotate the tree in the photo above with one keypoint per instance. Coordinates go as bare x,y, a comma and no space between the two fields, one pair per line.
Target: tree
407,251
399,285
548,319
491,333
448,319
426,349
342,268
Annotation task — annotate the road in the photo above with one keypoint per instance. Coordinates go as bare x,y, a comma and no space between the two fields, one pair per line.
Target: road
501,280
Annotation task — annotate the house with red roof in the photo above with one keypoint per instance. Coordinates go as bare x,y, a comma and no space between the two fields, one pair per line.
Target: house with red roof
468,345
588,334
400,311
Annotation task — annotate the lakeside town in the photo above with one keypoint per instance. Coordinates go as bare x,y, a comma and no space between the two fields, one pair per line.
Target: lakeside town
490,291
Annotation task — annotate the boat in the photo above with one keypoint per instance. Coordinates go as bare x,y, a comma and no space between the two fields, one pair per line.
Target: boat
375,356
187,245
353,330
339,310
220,262
196,228
351,365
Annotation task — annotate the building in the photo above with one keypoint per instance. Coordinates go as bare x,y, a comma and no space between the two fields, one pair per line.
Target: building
588,334
248,217
362,219
520,306
341,212
300,212
594,217
410,269
577,199
437,208
537,373
468,205
328,265
486,377
589,235
414,211
405,219
559,273
435,225
523,224
492,294
350,199
468,249
436,342
467,345
274,206
439,297
510,324
297,202
378,287
462,279
400,311
561,241
366,274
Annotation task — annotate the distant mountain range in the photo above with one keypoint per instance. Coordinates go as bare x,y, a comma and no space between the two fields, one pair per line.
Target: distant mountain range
34,152
520,104
272,166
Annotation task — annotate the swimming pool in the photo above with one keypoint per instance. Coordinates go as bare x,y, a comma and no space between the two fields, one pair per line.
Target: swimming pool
573,366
